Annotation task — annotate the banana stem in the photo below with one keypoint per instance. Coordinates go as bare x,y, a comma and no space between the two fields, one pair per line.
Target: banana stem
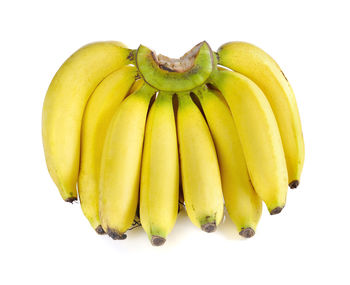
132,56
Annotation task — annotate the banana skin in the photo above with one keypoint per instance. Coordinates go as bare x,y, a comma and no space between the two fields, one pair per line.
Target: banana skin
259,135
200,172
99,111
258,66
242,202
64,106
159,189
121,163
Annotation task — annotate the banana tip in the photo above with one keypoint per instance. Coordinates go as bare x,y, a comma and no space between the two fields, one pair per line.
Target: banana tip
276,211
209,227
115,235
247,232
157,240
294,184
100,230
71,199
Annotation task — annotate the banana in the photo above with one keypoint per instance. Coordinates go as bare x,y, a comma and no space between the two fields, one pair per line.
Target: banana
136,86
258,66
98,113
242,203
259,135
159,191
199,167
121,163
64,106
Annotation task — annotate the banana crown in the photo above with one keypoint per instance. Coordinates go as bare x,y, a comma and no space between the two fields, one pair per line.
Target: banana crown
168,74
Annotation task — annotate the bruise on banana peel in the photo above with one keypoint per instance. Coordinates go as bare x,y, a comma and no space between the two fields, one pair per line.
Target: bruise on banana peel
183,74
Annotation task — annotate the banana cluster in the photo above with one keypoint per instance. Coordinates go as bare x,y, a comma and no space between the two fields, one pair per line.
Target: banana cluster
132,133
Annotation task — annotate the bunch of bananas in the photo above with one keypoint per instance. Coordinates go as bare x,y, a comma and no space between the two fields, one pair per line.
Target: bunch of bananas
135,132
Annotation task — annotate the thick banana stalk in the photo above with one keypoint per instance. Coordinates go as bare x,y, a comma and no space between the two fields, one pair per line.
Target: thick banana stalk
257,65
159,191
199,167
64,106
242,202
259,136
99,111
121,163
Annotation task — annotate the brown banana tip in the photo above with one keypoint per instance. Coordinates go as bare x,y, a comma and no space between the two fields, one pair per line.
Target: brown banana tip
115,235
100,230
276,211
209,227
247,232
157,240
294,184
71,199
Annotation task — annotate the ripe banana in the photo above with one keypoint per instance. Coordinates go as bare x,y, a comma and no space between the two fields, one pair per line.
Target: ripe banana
241,200
121,163
159,191
98,113
258,66
259,136
199,166
64,106
136,86
229,119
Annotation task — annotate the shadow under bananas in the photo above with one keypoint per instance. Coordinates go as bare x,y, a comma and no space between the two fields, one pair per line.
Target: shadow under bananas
228,229
136,231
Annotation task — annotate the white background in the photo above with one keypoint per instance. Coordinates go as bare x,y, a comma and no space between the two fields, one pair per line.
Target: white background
46,241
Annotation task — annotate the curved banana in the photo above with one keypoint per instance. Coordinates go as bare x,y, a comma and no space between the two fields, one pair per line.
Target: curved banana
241,200
259,136
199,166
257,65
121,163
98,113
64,106
159,191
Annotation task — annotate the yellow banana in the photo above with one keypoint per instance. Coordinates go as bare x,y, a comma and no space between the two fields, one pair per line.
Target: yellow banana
98,113
199,167
259,136
136,86
121,163
257,65
64,106
241,200
159,191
